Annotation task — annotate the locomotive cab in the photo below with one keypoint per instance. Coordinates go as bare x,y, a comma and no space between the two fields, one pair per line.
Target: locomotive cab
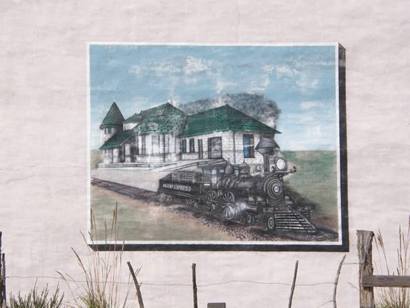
214,172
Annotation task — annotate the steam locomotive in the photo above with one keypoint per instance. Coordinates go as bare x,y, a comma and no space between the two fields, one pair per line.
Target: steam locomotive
230,193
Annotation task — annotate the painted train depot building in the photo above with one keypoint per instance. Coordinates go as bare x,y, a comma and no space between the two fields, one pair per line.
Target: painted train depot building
164,135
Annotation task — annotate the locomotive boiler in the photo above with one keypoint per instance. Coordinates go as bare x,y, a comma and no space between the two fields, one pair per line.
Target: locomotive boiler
230,192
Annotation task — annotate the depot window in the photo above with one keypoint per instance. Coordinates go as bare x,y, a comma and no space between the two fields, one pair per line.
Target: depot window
183,146
192,145
248,146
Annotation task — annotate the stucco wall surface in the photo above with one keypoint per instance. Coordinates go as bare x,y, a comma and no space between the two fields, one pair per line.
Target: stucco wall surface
43,121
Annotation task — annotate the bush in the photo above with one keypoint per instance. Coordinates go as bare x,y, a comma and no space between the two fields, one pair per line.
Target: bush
101,273
37,299
395,297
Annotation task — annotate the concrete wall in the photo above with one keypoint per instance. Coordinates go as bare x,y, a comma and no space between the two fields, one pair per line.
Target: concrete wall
43,165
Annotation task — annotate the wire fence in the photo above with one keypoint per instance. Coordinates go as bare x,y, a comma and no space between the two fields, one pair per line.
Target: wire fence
177,284
199,285
187,285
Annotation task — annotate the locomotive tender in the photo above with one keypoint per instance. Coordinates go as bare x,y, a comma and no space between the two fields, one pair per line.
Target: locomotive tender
230,193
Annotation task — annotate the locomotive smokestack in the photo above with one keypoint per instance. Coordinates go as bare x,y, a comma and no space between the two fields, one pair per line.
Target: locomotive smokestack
266,146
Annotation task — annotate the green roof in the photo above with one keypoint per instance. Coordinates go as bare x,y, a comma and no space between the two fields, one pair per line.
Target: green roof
117,140
135,118
113,116
162,119
224,118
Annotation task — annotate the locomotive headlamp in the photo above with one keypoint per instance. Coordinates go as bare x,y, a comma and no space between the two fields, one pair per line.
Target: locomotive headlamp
280,164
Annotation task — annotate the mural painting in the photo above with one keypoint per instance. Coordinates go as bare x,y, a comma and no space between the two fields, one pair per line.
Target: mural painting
205,147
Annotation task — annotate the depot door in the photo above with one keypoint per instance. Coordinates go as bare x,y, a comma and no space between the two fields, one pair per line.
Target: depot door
215,147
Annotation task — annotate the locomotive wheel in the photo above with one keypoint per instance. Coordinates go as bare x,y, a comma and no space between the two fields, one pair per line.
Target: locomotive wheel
191,203
229,197
219,194
250,219
247,219
228,212
211,196
212,207
164,198
270,223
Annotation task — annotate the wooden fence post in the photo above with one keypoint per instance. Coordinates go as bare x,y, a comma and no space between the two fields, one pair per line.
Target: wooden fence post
2,276
194,286
339,269
292,289
137,285
216,305
364,248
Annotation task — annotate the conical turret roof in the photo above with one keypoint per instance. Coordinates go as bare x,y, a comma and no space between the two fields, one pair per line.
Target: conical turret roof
113,116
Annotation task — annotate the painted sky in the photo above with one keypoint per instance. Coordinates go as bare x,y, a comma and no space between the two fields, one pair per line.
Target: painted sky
301,79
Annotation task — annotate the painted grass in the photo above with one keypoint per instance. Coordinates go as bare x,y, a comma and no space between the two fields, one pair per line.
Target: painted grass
316,180
138,220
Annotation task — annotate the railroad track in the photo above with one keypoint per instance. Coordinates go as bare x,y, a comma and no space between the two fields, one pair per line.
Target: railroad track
130,191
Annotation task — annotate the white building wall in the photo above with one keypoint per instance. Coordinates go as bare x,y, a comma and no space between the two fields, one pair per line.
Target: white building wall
155,149
116,155
258,159
43,184
174,149
232,147
148,144
227,145
127,147
107,156
139,137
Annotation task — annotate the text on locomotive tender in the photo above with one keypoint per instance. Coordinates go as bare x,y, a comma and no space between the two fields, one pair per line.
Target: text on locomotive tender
177,187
